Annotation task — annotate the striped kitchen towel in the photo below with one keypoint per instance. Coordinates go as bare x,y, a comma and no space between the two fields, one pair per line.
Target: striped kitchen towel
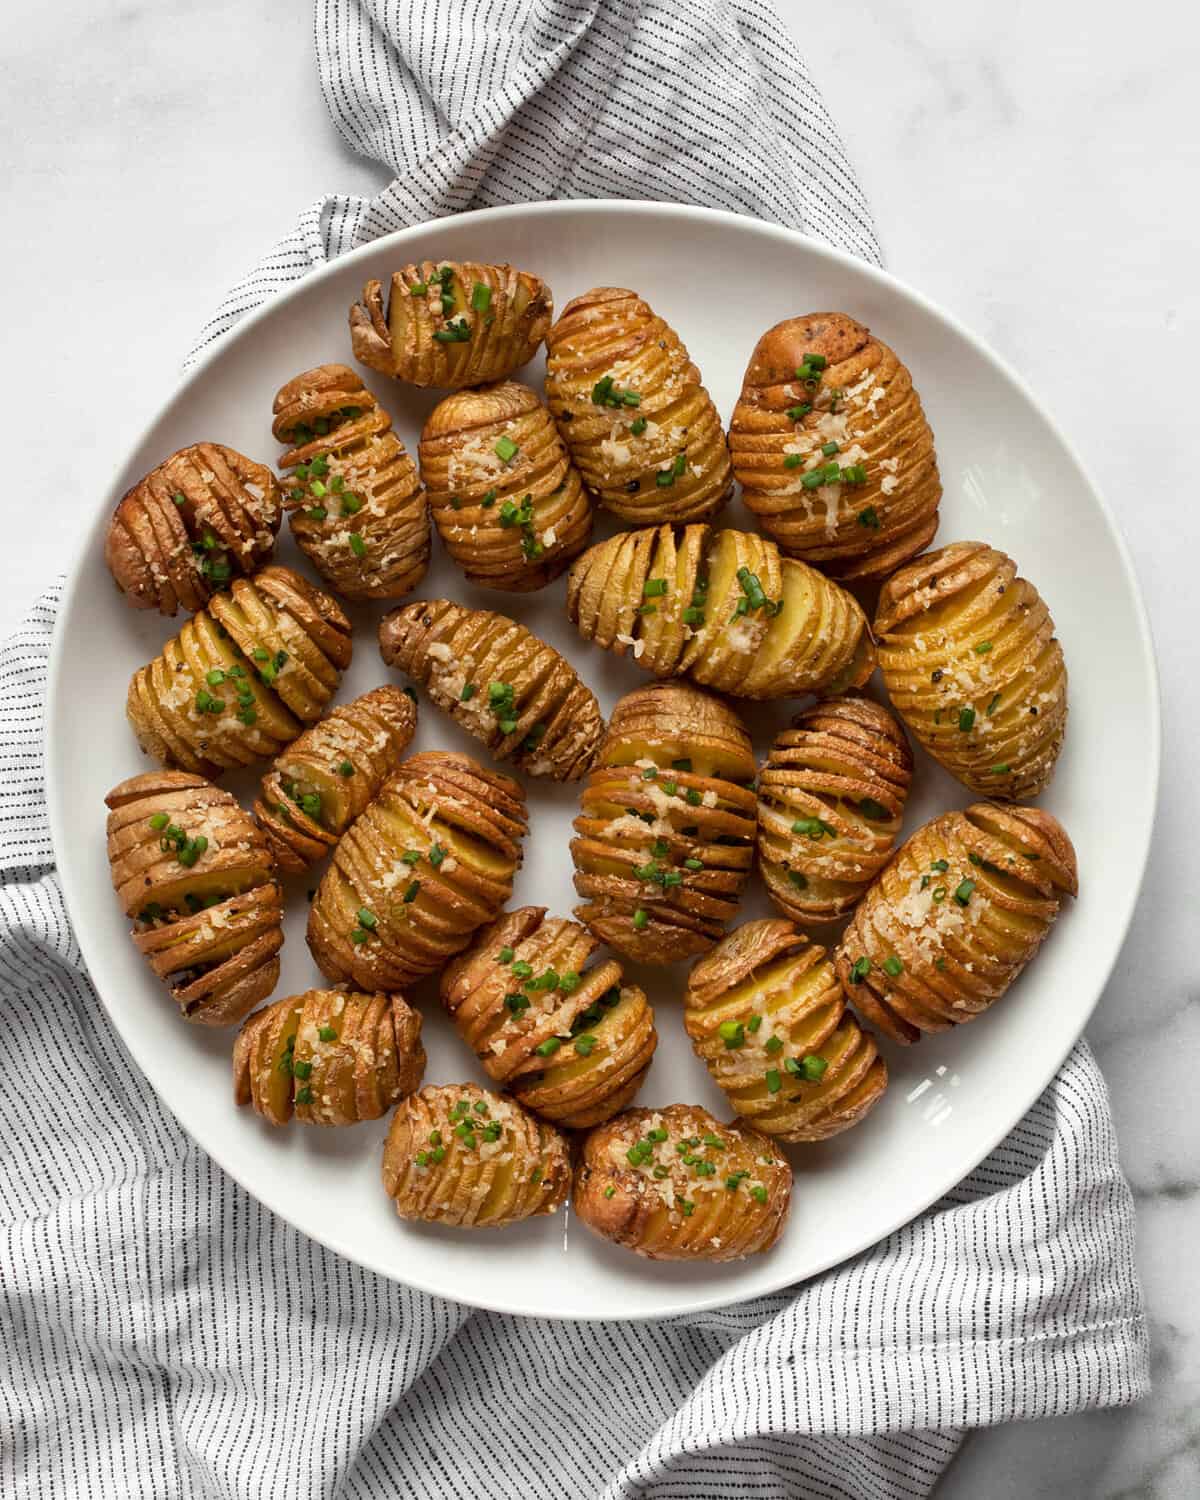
163,1335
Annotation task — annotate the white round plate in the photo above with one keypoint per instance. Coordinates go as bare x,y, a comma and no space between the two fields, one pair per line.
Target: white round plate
1009,477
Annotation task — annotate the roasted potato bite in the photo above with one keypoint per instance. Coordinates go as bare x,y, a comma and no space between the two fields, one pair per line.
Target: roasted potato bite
570,1042
197,878
243,677
830,802
972,664
456,1154
322,781
666,824
501,683
628,401
430,860
832,450
451,323
723,607
356,503
329,1057
677,1184
954,918
507,501
201,517
768,1017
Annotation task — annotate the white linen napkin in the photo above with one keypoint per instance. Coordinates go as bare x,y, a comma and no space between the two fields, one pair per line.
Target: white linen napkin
162,1334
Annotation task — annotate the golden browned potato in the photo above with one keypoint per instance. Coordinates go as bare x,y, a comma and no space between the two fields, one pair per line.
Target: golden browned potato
356,503
832,449
678,1184
501,683
507,501
322,781
767,1015
430,860
972,664
722,607
451,323
243,677
954,918
830,802
329,1057
197,878
456,1154
203,516
628,400
570,1042
666,824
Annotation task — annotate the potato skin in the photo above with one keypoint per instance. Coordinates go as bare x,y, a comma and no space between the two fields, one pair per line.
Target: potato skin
864,401
370,735
410,335
659,457
209,926
328,1057
954,917
354,479
830,802
202,516
672,784
601,1029
506,1165
264,659
462,828
971,662
697,1207
794,1061
452,651
480,501
728,611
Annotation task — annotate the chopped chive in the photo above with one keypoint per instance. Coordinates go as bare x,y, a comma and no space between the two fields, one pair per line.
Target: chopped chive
506,449
963,892
966,719
860,970
732,1033
893,966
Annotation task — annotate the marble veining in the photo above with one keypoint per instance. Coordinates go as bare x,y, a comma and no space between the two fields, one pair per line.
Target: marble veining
1034,168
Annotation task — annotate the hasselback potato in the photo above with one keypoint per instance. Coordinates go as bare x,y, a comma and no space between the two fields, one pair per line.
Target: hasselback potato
629,403
832,450
203,516
972,664
323,780
197,878
451,323
430,860
830,802
329,1057
456,1154
666,824
500,682
356,503
722,607
954,918
768,1017
570,1042
243,676
507,501
678,1184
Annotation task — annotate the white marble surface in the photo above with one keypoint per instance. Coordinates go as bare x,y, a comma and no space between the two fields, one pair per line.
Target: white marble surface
1033,167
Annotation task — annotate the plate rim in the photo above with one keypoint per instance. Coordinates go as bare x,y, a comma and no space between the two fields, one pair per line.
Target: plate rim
1024,1097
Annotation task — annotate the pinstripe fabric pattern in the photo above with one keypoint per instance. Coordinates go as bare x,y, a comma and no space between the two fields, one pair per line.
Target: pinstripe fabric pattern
163,1335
